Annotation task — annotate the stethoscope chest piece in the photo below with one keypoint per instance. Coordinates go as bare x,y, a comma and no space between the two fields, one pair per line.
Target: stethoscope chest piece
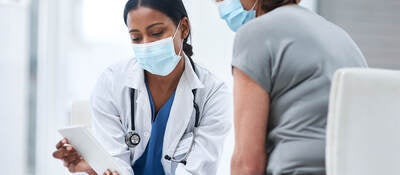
132,139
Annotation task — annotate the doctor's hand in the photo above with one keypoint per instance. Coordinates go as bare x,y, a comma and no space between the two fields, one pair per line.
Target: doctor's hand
108,172
71,158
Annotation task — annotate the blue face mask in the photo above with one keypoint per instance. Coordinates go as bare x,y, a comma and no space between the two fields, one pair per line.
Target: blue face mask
158,57
234,15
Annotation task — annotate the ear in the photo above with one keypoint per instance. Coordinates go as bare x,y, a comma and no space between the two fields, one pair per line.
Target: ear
185,27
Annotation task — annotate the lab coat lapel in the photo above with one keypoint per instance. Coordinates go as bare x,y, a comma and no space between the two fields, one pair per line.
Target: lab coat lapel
179,117
142,121
135,80
178,120
181,112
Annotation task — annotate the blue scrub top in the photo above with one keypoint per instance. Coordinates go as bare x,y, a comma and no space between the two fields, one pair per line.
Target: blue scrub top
150,161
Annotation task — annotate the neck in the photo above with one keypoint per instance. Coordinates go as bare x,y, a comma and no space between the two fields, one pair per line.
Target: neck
166,83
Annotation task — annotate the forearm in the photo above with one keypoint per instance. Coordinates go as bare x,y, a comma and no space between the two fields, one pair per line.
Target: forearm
251,121
248,165
250,155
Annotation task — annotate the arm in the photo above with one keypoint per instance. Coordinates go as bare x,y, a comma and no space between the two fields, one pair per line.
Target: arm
71,158
105,126
106,122
210,135
251,103
73,161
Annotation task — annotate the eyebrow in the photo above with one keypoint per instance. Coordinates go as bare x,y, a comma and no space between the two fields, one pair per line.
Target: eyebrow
148,27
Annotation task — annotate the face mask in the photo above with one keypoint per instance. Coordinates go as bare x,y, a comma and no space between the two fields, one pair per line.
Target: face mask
158,57
234,15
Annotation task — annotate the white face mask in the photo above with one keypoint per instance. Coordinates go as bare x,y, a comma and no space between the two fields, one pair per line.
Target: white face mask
158,57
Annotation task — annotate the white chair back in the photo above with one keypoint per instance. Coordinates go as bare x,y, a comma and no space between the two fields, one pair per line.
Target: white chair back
363,132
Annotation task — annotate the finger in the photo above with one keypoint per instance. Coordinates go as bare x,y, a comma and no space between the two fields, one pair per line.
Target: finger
61,143
77,161
108,172
115,173
69,154
63,153
72,152
72,159
59,154
70,149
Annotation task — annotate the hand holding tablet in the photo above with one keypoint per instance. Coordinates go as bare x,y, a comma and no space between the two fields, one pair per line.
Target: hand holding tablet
81,152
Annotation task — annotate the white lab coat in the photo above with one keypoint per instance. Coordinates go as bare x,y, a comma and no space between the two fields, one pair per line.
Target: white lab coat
111,109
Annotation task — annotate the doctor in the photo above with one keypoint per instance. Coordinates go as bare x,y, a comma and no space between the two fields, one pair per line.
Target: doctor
159,113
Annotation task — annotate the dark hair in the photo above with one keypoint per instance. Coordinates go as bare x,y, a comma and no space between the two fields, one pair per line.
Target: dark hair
269,5
174,9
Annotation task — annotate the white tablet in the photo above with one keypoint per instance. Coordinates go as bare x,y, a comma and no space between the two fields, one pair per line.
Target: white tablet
82,139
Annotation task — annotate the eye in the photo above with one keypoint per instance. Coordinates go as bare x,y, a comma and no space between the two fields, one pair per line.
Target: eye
136,39
158,33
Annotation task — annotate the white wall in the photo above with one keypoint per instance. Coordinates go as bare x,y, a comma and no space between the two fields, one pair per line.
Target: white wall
52,110
374,25
13,88
69,65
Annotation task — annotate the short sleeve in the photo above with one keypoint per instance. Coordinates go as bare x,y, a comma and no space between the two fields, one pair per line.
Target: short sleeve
251,54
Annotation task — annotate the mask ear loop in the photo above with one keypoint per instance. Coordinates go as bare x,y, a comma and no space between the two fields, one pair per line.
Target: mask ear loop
252,8
173,37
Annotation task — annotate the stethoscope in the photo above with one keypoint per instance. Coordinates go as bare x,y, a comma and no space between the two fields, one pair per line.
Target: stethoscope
132,138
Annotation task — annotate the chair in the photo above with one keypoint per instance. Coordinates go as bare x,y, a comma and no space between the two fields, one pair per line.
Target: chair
363,132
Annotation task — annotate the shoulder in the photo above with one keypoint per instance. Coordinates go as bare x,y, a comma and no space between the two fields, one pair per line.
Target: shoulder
210,81
214,99
114,76
215,96
283,21
118,71
267,21
119,68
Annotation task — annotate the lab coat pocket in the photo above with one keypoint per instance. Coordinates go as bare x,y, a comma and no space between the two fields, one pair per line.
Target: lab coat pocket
182,150
184,146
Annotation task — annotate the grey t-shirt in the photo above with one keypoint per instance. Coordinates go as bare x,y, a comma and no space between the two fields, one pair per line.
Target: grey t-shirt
293,53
